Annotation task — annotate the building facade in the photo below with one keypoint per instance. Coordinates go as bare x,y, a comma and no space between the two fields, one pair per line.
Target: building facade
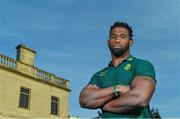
26,91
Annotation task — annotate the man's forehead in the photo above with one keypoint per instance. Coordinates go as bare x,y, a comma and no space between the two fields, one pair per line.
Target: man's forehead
119,30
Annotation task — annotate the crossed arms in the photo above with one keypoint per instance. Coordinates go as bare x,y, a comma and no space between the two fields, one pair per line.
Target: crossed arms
138,94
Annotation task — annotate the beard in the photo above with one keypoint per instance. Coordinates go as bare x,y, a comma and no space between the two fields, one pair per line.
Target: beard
118,52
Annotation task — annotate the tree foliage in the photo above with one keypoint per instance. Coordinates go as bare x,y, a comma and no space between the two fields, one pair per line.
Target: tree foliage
155,113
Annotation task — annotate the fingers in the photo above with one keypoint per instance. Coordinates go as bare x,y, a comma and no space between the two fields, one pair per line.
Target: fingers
126,89
92,86
122,88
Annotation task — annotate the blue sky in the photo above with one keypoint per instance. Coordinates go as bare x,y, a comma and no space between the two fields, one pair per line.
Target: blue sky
70,39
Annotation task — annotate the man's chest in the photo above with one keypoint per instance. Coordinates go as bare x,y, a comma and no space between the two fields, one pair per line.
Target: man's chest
121,75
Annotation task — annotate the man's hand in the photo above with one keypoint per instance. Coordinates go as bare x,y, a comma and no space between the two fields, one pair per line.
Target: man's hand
92,86
122,89
139,95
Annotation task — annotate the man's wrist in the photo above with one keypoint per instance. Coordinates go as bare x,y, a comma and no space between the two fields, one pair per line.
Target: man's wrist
122,88
116,92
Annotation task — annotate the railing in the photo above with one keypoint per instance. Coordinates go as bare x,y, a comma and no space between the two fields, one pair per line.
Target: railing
60,81
7,62
50,77
42,74
38,73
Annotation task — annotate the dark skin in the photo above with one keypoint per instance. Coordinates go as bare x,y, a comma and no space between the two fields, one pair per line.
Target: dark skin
138,94
94,97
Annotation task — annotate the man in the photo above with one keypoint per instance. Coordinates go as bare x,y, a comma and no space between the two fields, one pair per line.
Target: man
125,87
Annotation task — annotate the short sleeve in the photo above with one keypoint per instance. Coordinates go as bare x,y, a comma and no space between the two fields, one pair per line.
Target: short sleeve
94,79
144,68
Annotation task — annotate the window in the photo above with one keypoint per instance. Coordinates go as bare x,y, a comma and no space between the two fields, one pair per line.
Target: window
54,105
24,97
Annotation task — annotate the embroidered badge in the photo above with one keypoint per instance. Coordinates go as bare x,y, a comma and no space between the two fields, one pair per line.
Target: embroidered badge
103,73
128,67
130,59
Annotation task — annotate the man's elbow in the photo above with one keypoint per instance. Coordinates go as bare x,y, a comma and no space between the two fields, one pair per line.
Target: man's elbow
83,105
138,100
83,102
143,101
88,105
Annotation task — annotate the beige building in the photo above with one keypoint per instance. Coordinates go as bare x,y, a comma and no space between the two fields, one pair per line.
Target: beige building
26,91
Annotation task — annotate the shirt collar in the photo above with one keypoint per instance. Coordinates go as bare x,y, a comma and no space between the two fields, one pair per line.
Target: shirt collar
128,59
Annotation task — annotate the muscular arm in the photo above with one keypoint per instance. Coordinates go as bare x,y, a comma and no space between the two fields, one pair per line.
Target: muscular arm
139,95
95,97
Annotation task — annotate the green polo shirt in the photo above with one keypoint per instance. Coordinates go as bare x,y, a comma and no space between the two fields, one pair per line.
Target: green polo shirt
123,74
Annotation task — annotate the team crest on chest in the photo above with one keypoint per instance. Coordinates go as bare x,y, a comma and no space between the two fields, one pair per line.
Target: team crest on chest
128,67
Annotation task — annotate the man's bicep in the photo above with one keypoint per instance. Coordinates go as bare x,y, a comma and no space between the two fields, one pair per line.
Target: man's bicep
143,86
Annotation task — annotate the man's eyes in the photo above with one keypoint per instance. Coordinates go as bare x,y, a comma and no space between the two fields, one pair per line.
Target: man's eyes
113,37
121,36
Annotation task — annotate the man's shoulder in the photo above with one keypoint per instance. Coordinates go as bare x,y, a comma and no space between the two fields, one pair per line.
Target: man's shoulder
96,76
143,68
139,61
101,71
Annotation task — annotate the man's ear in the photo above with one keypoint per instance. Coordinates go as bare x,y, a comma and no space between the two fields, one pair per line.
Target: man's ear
131,42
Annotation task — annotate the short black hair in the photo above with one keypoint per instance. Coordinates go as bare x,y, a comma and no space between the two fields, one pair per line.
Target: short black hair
124,25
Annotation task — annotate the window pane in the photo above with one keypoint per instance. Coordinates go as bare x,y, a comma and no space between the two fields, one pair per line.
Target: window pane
54,108
54,105
24,98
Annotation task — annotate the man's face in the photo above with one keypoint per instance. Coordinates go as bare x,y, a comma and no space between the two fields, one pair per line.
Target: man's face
119,41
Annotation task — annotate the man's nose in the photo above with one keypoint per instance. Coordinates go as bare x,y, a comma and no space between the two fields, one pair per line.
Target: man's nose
118,39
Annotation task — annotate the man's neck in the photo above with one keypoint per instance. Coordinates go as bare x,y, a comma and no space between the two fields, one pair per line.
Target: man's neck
118,60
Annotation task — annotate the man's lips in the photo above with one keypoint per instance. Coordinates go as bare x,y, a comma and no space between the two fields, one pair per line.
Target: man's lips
117,47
